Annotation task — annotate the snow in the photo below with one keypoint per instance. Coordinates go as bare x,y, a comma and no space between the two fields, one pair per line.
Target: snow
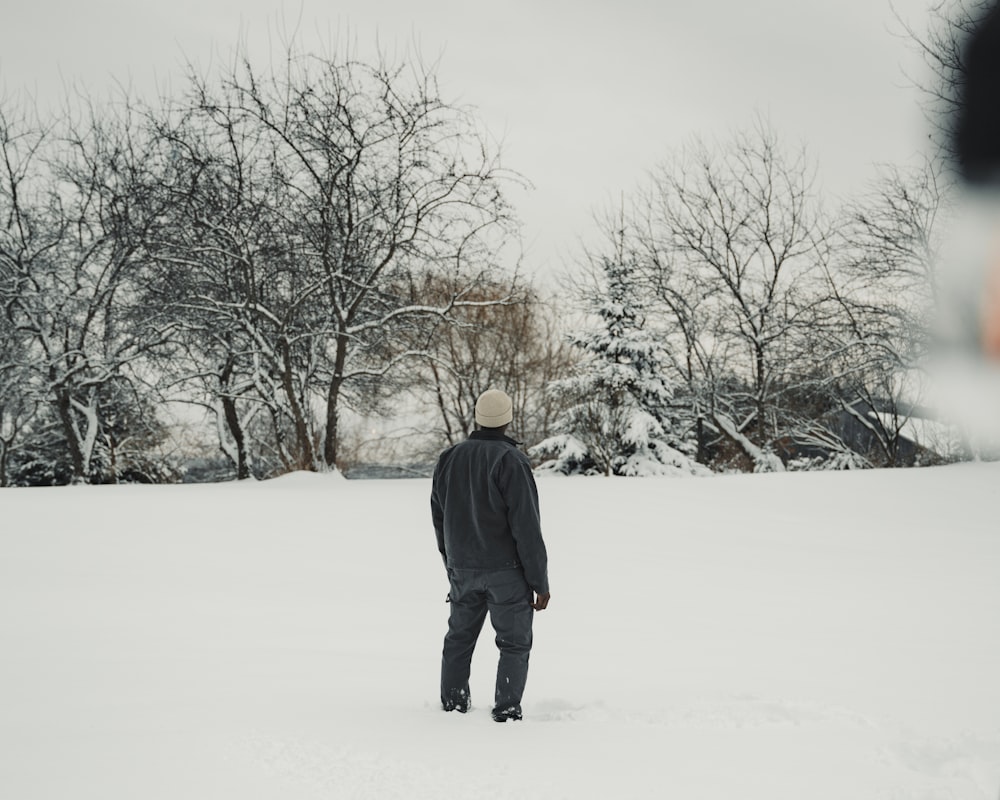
807,636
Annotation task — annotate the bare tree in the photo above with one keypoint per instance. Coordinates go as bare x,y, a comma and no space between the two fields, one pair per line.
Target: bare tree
308,207
734,248
21,135
385,180
885,283
71,257
20,393
19,400
509,341
226,281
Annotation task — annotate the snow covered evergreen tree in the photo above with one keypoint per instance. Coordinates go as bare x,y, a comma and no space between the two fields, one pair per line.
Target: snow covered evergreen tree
619,420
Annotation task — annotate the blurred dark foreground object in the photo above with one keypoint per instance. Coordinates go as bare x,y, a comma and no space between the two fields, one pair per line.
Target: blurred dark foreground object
977,150
977,129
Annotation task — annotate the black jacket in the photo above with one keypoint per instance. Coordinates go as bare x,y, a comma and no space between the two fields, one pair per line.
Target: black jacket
484,503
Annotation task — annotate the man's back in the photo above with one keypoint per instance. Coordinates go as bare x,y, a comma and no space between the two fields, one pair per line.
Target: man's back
484,504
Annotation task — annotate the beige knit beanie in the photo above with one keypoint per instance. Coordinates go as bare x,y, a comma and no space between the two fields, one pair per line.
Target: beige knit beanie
494,409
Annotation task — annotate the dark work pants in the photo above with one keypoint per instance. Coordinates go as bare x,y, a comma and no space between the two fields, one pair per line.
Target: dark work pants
507,597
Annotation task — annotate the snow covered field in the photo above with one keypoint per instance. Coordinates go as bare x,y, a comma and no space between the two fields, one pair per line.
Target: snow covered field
799,636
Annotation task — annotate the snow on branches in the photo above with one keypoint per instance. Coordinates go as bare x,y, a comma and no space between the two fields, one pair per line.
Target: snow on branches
619,420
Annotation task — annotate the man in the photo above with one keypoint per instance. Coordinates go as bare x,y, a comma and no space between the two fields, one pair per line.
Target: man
484,504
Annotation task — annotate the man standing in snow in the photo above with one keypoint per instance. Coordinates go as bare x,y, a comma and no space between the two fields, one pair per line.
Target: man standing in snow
484,504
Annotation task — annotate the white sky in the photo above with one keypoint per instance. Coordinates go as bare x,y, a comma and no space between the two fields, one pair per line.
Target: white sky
586,95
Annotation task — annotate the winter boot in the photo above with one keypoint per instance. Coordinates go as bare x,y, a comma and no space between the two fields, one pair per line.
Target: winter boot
456,701
504,713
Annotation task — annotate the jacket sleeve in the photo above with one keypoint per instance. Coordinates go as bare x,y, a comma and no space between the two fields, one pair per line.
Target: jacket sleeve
517,485
437,514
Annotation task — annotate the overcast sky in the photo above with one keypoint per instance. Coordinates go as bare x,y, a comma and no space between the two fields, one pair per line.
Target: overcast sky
586,95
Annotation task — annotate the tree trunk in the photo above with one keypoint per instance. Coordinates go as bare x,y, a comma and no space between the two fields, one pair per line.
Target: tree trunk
703,455
64,408
306,458
761,398
236,431
232,418
112,458
330,446
442,407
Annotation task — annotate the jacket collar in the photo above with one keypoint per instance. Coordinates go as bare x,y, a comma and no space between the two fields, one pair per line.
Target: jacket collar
491,435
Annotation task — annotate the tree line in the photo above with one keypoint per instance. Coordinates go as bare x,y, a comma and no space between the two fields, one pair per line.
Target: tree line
768,332
279,248
736,323
268,245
